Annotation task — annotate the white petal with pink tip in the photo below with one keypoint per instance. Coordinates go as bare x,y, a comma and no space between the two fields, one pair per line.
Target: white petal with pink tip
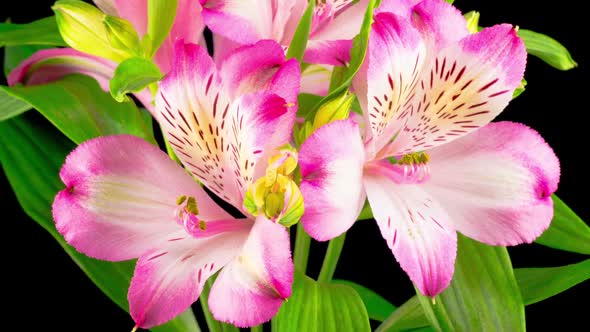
417,230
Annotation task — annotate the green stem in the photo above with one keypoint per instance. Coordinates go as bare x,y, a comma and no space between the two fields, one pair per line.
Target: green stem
331,258
257,328
213,325
302,242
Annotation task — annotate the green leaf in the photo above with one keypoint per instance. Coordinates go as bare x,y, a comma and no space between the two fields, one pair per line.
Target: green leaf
161,15
538,284
567,231
377,307
547,49
14,55
483,295
31,156
40,32
81,110
133,75
299,41
357,56
535,284
306,103
321,307
408,316
11,106
520,89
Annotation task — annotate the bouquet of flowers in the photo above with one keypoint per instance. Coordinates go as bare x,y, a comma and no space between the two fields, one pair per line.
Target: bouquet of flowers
183,150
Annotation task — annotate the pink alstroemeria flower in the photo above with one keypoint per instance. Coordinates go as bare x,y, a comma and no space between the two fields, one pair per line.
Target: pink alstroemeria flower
48,65
425,156
126,199
334,25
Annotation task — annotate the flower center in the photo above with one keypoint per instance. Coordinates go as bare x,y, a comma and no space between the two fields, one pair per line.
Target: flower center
276,195
411,168
187,215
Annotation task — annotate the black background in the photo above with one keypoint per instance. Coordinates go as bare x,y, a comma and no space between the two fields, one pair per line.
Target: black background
45,290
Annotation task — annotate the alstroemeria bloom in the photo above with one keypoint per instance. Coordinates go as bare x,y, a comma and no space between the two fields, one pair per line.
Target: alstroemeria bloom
425,156
48,65
334,25
126,199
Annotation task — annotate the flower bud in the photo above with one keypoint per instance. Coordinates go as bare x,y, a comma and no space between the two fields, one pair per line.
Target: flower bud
122,35
335,109
81,26
472,21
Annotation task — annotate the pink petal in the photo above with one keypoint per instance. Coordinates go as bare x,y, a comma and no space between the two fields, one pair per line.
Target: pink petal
136,12
255,67
222,48
248,21
401,8
416,229
188,26
194,113
328,52
331,162
167,280
120,197
49,65
396,54
496,183
52,64
463,88
439,22
252,287
315,79
218,139
262,123
345,24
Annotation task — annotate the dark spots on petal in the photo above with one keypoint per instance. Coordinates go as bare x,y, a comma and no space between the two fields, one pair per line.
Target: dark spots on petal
157,256
487,86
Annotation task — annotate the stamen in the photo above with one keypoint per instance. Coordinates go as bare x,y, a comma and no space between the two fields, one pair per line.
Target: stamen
187,215
275,194
411,168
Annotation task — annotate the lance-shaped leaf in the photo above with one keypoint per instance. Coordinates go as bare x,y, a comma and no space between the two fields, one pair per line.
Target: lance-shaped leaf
377,307
161,14
133,75
79,108
538,284
31,156
483,295
547,49
11,106
299,42
408,316
317,306
40,32
567,231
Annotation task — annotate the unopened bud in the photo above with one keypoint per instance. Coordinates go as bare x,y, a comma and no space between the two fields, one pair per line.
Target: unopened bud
122,35
81,26
335,109
472,21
